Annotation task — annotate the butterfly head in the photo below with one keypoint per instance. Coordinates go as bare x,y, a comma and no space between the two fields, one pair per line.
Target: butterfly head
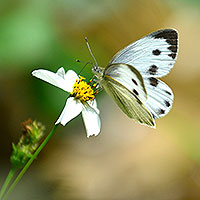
97,71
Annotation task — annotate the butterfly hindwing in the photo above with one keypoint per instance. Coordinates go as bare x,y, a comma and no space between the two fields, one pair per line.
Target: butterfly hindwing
128,102
153,55
159,97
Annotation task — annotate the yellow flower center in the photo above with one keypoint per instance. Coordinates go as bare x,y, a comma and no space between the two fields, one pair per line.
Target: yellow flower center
82,90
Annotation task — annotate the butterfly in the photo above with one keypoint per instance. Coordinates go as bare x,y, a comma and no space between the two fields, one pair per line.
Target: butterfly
130,78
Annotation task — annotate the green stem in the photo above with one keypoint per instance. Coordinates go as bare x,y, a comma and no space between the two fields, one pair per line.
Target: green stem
30,161
7,181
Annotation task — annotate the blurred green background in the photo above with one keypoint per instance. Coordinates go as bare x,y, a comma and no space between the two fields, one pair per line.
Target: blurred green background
126,161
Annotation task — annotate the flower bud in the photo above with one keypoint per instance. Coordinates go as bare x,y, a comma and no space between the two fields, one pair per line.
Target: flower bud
32,132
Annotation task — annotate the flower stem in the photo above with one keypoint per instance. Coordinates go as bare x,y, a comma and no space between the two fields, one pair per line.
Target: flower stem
30,161
7,181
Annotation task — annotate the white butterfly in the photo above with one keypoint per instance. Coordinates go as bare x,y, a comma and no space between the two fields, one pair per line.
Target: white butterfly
130,78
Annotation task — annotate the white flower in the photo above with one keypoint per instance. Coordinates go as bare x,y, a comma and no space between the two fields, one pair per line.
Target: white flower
81,100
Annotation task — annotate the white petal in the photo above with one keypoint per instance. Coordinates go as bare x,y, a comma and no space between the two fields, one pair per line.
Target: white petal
61,72
57,79
71,110
93,104
70,79
91,120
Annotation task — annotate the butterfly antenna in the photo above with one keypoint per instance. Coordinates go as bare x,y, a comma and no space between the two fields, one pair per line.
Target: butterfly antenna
90,51
86,63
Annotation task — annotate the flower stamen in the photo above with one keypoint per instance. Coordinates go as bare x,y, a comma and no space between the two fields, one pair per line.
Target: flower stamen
83,91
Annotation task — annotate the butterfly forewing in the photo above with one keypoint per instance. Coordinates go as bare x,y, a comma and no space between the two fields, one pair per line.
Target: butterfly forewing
128,102
160,97
129,77
153,55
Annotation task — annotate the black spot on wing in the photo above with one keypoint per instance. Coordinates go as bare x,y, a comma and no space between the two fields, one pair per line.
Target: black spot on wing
168,34
161,112
173,48
153,69
153,81
169,93
167,103
171,37
134,81
173,55
156,52
135,92
172,41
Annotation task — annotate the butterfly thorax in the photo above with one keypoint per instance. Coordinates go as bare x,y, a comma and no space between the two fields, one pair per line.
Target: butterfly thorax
98,71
